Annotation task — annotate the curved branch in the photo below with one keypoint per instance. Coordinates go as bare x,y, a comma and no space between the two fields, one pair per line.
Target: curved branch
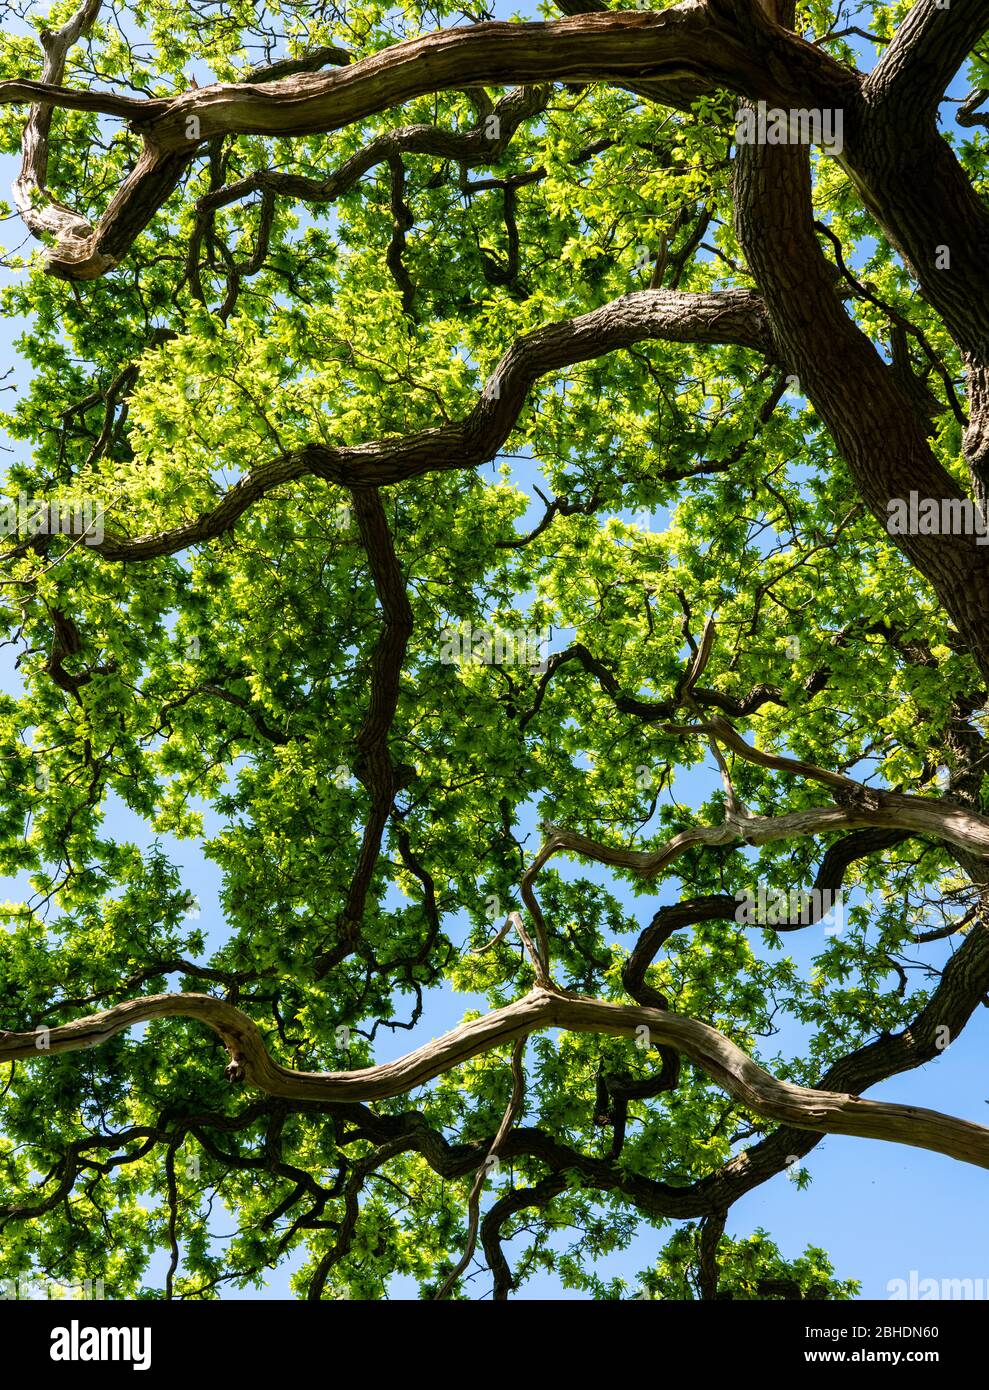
468,147
827,1112
723,907
921,815
729,316
298,463
680,53
40,213
474,1200
647,710
891,811
688,42
860,806
21,91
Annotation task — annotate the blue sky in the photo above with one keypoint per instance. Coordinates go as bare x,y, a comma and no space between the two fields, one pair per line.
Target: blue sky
880,1210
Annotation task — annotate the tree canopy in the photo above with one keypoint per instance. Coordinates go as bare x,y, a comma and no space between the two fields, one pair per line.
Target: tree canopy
376,347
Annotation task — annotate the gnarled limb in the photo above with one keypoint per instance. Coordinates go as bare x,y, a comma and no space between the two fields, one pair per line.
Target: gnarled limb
82,251
690,41
915,815
731,316
42,215
827,1112
875,425
681,52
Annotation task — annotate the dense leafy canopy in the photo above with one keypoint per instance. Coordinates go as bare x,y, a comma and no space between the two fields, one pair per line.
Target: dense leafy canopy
271,681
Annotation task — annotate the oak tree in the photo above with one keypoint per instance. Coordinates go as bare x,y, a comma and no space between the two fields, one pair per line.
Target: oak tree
357,332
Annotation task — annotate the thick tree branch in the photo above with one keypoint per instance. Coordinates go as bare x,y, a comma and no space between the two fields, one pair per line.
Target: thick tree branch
872,421
827,1112
691,41
731,316
927,50
681,51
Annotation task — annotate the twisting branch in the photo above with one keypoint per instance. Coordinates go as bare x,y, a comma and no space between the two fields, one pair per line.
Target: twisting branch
42,215
688,46
373,766
467,147
730,316
921,815
650,711
915,815
474,1200
826,1112
518,1199
681,52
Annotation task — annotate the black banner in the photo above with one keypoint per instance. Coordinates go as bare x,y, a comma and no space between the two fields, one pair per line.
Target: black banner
68,1340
